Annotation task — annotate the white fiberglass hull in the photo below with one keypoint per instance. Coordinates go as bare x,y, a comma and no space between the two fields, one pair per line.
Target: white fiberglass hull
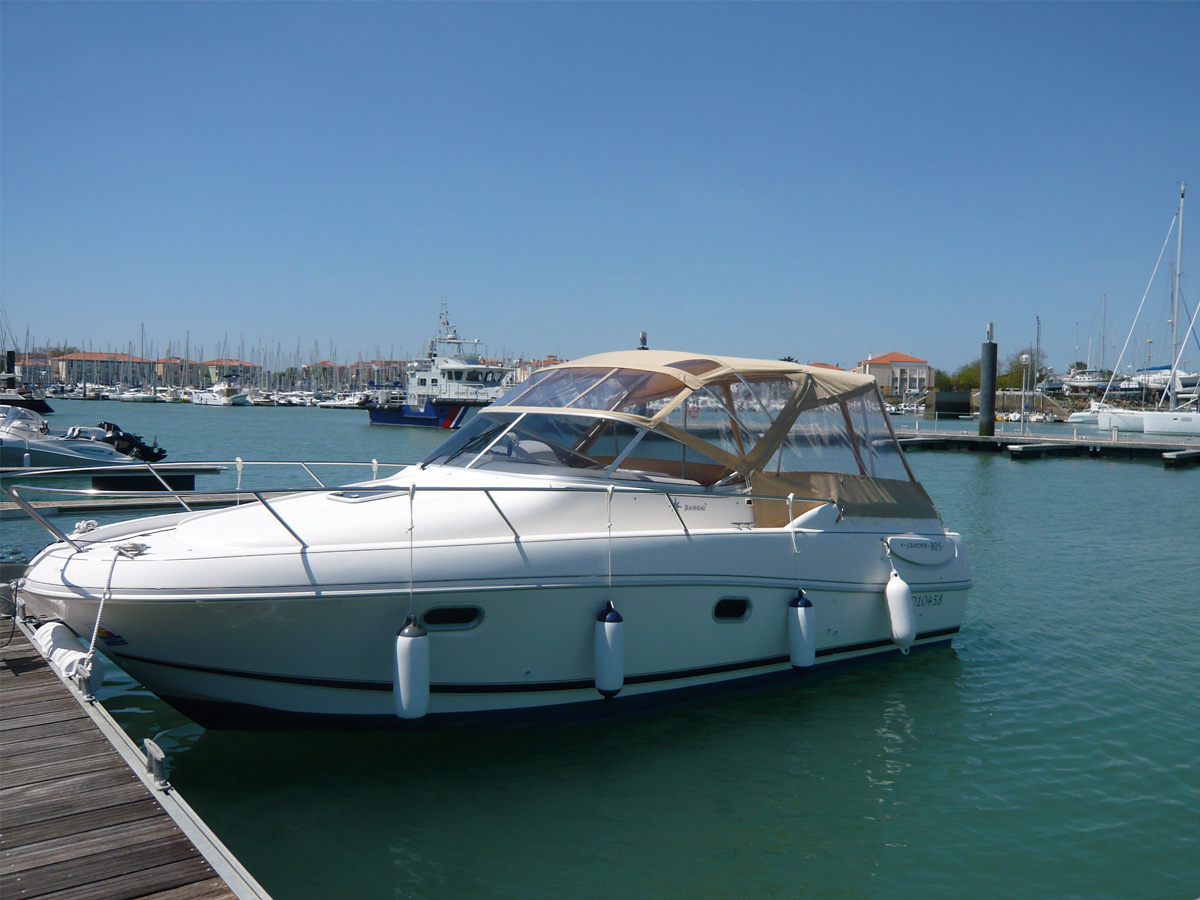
1122,420
1176,422
220,400
226,616
57,453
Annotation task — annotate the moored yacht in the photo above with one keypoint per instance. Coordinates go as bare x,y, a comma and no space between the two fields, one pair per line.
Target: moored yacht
221,394
446,388
615,532
27,440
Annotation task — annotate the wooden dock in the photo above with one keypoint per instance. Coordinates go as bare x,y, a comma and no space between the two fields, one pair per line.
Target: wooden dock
1172,455
79,819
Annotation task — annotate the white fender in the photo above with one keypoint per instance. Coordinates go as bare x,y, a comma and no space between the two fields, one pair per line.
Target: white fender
608,651
410,674
61,647
802,631
900,608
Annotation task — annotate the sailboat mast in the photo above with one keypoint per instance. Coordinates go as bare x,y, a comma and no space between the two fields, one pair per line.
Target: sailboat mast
1103,328
1175,298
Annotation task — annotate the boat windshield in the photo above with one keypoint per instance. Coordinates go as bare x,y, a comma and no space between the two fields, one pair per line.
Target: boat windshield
615,420
19,417
615,390
584,445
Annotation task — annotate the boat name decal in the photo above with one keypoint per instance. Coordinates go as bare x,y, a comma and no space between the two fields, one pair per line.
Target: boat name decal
935,546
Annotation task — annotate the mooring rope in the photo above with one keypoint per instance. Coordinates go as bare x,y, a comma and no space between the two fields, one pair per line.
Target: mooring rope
412,524
129,551
608,509
792,529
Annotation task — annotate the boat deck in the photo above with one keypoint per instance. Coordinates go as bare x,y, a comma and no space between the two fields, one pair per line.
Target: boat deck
78,821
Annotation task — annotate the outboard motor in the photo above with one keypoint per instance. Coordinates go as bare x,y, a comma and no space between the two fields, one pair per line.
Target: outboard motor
131,445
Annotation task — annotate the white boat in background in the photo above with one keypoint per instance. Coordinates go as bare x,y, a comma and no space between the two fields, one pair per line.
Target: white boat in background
221,394
137,395
585,545
1178,422
27,440
1085,380
263,398
1091,415
1175,420
346,400
1128,420
25,398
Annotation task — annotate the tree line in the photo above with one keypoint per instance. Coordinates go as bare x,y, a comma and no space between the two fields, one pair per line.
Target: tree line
1008,373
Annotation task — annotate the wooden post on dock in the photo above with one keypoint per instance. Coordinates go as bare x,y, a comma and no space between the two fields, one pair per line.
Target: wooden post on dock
987,386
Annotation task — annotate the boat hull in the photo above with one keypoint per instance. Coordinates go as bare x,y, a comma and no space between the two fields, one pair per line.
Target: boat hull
212,400
703,612
433,414
1122,420
17,452
1176,422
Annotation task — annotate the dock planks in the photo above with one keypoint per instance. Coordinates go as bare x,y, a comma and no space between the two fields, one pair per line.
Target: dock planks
75,821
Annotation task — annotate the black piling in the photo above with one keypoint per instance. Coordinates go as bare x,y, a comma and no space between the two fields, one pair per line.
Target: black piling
987,386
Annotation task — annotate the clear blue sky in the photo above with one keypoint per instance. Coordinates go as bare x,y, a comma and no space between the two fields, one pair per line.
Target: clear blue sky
819,180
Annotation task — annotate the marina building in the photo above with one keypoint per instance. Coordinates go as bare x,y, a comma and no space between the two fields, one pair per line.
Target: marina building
898,373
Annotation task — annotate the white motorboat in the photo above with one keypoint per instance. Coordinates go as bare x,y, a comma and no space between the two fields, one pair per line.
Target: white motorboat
615,532
221,394
27,440
1091,415
346,400
139,395
1085,380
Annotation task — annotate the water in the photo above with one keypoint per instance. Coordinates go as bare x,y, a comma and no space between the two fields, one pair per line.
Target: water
1051,752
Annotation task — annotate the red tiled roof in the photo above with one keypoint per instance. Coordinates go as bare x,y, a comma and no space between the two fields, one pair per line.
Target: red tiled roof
888,358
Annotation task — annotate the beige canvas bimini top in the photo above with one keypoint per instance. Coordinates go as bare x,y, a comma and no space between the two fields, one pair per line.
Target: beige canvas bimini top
674,377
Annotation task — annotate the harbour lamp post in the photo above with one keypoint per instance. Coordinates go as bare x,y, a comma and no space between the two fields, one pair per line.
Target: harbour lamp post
1024,373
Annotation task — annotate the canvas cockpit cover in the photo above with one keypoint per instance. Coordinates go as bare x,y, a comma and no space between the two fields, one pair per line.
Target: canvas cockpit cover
786,429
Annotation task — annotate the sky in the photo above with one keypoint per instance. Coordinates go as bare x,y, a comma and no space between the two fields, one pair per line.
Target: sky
817,180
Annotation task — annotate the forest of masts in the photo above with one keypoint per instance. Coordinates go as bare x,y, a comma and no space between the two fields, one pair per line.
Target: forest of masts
187,365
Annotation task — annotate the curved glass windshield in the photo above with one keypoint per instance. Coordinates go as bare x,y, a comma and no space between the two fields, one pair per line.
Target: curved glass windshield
583,420
624,390
578,445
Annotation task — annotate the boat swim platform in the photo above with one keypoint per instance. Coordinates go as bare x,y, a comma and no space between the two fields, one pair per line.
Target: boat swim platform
1172,454
83,817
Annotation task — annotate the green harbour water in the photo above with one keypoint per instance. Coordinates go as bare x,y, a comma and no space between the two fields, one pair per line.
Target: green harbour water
1050,752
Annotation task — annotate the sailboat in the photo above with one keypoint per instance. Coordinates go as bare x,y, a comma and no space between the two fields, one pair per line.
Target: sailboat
1178,419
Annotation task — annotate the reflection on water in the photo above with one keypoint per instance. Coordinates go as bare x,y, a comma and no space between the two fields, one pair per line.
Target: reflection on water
773,786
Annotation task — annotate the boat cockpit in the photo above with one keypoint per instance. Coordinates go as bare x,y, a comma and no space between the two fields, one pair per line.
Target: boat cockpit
710,422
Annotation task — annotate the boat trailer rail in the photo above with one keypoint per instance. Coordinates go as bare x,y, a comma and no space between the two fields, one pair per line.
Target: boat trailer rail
264,495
